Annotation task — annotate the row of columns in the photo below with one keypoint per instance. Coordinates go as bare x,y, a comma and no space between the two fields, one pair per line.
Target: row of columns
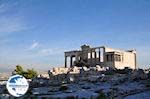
91,56
71,60
95,55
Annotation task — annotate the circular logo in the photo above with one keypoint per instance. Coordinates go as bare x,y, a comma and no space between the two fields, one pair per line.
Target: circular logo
17,85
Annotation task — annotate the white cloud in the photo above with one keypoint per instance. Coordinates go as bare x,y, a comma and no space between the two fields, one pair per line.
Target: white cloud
46,52
10,22
3,8
50,51
34,45
7,5
4,41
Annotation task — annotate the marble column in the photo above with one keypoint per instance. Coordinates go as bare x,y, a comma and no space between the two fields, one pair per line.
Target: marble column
99,55
71,61
65,61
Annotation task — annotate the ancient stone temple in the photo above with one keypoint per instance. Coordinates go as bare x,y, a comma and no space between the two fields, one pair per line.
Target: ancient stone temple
102,56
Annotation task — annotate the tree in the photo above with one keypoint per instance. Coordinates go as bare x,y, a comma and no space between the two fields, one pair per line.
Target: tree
29,74
19,70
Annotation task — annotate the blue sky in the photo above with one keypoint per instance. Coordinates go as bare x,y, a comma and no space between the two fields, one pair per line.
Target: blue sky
35,33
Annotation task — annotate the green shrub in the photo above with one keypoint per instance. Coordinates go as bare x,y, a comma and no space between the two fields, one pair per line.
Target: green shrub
147,83
70,97
62,88
101,96
29,73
